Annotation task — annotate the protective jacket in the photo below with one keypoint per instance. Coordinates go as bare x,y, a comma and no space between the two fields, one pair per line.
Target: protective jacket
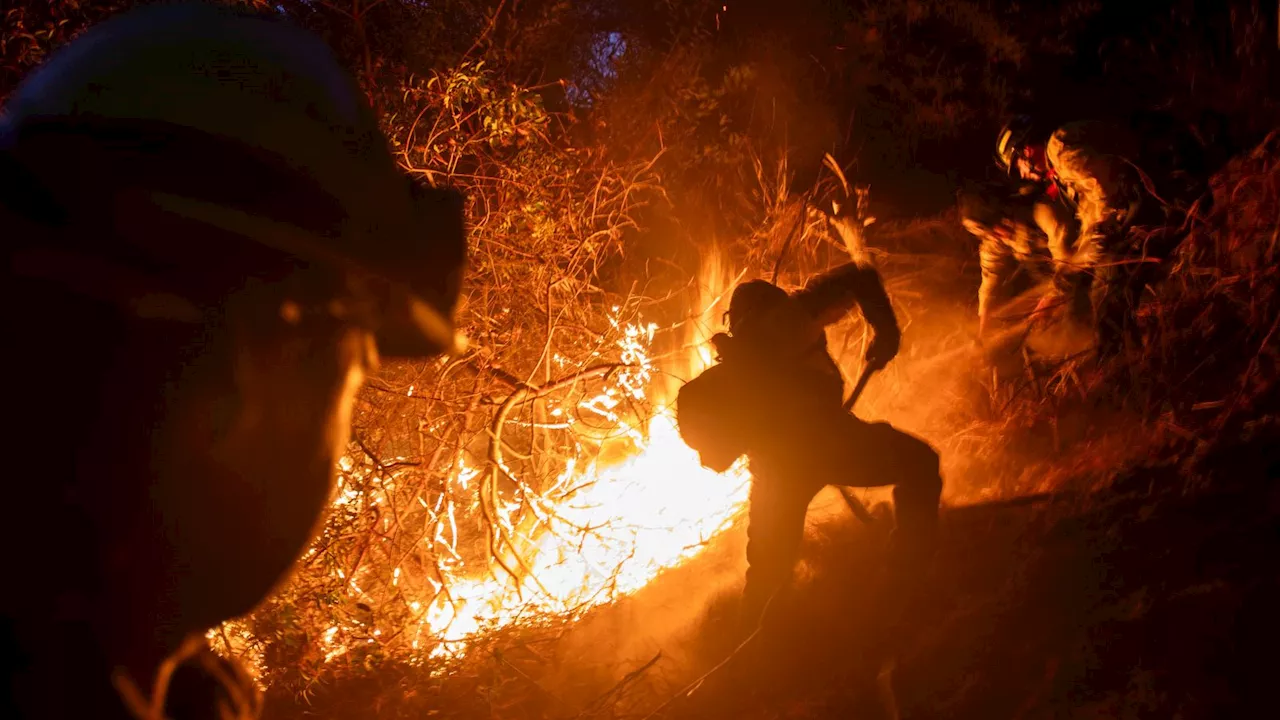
776,379
204,226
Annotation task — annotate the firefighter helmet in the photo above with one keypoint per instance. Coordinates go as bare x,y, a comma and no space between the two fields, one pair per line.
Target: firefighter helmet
753,299
291,142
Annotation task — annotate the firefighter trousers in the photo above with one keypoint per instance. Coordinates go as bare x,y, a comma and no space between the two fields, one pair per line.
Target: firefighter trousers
851,453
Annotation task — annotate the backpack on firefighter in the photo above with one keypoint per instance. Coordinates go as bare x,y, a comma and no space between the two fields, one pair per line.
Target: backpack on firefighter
705,412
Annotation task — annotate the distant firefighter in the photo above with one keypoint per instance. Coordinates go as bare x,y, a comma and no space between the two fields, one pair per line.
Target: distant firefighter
1131,190
208,245
776,396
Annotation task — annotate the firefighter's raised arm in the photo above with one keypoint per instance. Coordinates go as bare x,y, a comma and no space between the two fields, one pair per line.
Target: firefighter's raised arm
833,295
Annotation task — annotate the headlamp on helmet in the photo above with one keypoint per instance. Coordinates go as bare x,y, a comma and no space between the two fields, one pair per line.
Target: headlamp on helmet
1012,138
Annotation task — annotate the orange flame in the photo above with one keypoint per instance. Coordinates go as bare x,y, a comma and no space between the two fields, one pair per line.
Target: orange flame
648,512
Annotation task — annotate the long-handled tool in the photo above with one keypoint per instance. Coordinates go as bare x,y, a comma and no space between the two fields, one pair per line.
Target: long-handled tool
861,385
851,228
856,506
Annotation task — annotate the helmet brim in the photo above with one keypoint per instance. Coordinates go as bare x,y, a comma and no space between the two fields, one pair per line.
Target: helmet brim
1006,166
416,328
409,325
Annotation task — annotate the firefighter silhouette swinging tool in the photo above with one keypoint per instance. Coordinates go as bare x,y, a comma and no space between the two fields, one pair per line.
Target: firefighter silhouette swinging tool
850,227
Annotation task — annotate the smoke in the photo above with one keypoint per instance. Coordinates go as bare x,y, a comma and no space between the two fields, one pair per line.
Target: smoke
686,614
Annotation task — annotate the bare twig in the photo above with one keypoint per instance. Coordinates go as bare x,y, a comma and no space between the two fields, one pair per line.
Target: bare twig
630,677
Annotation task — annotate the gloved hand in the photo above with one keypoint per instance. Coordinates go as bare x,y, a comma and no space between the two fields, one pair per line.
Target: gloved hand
883,349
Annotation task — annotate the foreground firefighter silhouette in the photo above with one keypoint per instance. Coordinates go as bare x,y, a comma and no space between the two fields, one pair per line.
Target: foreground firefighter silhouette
207,238
776,396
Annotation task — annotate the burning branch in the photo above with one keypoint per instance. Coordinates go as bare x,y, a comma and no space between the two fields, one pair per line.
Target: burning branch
499,536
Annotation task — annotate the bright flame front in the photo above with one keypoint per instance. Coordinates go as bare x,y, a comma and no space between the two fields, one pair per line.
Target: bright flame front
622,526
603,529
